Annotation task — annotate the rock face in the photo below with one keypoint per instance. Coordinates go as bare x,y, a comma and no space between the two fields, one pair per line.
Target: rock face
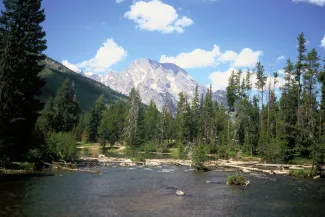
160,82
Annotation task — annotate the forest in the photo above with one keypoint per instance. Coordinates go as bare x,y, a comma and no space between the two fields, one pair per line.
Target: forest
261,118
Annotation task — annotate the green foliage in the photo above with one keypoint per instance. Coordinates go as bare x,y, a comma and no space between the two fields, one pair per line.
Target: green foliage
133,128
62,113
302,173
199,156
61,146
148,147
225,152
21,49
95,118
236,179
88,90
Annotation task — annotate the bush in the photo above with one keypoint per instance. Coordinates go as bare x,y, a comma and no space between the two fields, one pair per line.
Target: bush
62,146
302,173
199,156
236,180
148,147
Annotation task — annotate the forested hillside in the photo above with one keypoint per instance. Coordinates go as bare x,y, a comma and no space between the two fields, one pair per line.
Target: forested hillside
87,90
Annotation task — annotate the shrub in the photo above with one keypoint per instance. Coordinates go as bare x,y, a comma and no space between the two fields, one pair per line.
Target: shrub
199,156
62,146
302,173
236,180
148,147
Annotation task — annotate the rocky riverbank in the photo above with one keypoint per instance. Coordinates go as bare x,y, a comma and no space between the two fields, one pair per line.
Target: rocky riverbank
217,165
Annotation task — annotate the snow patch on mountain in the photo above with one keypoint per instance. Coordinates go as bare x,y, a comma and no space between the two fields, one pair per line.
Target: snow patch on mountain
160,82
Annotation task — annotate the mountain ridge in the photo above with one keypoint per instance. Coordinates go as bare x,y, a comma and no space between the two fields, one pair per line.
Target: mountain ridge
160,82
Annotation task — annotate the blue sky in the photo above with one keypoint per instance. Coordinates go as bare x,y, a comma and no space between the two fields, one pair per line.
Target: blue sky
207,38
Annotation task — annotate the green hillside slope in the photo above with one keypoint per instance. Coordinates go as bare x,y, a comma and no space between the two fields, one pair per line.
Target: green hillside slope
87,89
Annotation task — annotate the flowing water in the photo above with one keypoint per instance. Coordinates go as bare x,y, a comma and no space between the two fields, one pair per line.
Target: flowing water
139,191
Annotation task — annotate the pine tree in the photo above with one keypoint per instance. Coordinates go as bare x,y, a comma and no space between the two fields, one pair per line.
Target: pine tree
21,45
299,70
132,129
62,113
287,116
95,117
260,84
151,122
195,114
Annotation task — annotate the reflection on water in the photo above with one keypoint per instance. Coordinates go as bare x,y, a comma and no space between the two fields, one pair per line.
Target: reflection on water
142,192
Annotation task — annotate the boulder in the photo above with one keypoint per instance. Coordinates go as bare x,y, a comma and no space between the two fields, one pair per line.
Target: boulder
101,156
180,193
149,163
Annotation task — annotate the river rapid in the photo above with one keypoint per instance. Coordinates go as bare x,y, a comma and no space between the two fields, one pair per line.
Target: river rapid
139,191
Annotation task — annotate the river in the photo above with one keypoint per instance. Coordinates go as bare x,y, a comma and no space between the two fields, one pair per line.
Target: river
139,191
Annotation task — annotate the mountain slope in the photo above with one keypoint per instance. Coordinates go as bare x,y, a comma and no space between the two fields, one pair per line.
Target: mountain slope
160,82
87,90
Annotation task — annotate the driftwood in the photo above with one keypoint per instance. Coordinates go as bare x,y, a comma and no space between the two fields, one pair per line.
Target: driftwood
249,169
60,167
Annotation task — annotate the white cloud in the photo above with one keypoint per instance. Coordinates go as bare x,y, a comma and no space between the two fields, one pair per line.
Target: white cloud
322,43
315,2
228,56
219,79
71,66
157,16
194,59
281,72
247,58
107,55
280,58
202,58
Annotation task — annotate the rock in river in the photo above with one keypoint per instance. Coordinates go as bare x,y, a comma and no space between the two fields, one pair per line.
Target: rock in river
180,193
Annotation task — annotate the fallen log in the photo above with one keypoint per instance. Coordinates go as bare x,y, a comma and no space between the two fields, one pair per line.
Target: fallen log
248,169
284,165
58,166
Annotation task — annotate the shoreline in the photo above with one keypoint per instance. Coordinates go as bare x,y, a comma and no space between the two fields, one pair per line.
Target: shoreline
213,165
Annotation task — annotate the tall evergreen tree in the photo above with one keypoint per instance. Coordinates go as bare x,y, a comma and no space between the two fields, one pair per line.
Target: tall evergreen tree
299,70
132,129
195,114
95,118
21,45
62,113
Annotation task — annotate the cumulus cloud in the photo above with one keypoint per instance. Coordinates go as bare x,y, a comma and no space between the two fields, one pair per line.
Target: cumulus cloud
280,58
109,54
194,59
157,16
202,58
219,79
322,43
315,2
71,66
247,58
280,72
228,56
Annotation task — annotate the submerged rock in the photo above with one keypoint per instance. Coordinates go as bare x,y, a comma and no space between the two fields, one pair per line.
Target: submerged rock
180,193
